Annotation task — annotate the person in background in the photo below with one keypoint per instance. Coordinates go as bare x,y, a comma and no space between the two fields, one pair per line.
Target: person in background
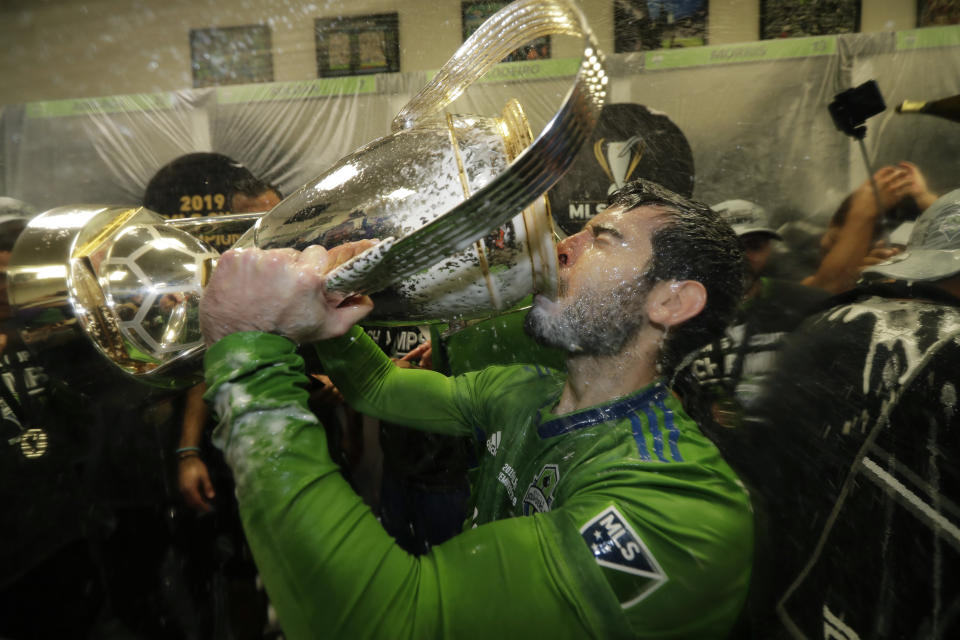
853,454
84,486
424,488
208,184
724,377
599,509
218,568
252,195
198,185
46,556
853,231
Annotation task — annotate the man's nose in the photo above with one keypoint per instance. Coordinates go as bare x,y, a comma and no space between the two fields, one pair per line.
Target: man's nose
570,248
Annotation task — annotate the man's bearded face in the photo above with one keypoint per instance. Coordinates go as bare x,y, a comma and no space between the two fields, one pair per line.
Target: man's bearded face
595,322
603,287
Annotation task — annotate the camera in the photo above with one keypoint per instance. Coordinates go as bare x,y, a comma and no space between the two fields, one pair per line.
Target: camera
851,108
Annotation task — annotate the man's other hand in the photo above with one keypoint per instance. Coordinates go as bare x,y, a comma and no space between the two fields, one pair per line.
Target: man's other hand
193,479
880,253
280,291
422,353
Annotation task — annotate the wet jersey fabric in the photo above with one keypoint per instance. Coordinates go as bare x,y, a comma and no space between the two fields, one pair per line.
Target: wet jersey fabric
858,483
619,521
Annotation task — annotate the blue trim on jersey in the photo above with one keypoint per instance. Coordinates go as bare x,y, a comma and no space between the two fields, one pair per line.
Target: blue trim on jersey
540,372
637,425
598,415
655,432
674,437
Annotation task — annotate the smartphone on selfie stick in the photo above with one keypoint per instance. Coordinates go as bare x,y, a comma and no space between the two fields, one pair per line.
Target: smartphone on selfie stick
850,110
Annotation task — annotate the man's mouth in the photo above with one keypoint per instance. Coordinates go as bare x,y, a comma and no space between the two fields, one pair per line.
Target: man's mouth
545,303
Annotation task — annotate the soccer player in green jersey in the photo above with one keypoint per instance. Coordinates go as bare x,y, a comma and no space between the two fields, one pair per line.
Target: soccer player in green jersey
598,509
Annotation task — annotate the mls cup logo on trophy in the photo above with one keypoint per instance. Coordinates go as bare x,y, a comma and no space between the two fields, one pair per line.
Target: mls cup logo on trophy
129,283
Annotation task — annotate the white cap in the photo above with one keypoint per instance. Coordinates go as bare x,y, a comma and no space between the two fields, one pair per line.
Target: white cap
745,217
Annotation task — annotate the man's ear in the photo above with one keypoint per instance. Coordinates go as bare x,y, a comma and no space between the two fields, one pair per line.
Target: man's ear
671,303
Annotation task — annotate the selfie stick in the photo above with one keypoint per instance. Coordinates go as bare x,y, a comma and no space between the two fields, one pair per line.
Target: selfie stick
849,111
873,182
860,133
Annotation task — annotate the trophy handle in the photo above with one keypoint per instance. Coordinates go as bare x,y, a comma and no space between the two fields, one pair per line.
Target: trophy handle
514,25
529,175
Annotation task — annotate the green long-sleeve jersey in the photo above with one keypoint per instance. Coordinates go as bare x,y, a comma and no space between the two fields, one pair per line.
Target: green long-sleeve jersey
620,520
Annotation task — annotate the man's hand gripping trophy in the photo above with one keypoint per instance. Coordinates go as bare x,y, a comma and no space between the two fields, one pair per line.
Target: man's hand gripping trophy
300,307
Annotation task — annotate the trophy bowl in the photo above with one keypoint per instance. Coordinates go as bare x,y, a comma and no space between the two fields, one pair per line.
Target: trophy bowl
398,184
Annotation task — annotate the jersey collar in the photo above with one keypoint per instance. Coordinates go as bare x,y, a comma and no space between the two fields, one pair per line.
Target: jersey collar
549,425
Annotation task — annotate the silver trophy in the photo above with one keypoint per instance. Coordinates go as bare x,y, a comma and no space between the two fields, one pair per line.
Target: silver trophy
457,202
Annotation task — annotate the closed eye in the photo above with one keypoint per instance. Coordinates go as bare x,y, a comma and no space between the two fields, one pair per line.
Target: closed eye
599,230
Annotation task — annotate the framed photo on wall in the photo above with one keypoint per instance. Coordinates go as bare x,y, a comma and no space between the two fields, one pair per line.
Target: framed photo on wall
642,25
475,12
357,45
933,13
799,18
231,55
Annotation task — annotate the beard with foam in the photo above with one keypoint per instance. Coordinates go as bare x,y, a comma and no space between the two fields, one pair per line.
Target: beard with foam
595,323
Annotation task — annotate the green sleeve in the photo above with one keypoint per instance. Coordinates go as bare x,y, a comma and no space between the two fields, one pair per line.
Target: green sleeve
332,571
373,385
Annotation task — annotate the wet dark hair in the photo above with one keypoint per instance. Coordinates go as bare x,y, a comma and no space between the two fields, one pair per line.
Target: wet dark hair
693,243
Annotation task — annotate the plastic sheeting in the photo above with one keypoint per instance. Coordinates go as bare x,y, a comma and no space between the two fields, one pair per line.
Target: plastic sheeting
755,116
